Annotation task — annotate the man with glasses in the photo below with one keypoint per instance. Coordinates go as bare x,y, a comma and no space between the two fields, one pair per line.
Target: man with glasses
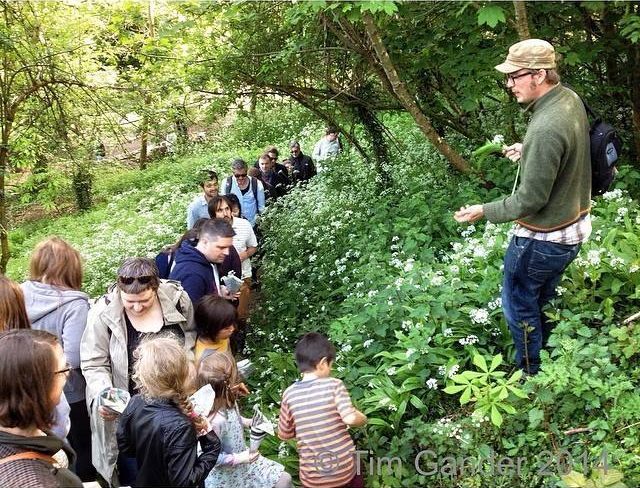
551,205
303,168
249,191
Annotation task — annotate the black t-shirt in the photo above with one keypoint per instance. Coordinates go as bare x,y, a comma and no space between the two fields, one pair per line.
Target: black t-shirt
134,337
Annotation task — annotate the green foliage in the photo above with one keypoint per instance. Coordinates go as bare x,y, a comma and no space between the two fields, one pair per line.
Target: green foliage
491,15
488,389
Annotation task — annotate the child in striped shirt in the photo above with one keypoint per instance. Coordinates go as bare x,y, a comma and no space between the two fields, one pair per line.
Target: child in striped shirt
316,411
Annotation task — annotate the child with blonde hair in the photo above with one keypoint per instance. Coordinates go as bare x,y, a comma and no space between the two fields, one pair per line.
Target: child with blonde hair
159,427
237,466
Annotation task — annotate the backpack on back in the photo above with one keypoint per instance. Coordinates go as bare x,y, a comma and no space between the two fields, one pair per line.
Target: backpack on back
605,149
254,187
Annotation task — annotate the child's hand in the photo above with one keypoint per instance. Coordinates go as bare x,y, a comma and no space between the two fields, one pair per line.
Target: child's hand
245,457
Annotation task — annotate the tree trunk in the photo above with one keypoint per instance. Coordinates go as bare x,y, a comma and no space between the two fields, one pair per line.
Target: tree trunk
4,164
144,134
378,145
522,24
408,101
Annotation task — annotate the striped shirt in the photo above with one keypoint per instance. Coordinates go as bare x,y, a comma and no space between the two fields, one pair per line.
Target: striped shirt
573,234
244,238
312,411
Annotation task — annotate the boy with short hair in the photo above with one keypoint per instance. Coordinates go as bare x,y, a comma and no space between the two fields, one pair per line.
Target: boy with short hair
198,208
316,411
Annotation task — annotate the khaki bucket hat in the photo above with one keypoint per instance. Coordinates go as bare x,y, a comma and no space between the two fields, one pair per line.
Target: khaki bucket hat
529,54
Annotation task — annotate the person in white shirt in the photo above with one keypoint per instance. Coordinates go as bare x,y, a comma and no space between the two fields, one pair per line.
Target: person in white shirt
327,147
246,244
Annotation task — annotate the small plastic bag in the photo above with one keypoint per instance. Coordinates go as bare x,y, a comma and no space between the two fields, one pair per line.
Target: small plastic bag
232,282
260,427
114,399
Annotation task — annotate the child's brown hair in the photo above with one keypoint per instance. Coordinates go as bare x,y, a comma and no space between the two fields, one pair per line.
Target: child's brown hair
220,371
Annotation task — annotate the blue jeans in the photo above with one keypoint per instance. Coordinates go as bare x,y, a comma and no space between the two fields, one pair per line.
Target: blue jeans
532,270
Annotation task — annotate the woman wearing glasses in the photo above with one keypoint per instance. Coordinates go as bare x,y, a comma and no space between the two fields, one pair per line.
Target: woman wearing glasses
139,305
33,372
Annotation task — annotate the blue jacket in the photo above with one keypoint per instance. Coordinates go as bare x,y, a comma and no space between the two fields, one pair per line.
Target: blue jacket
194,271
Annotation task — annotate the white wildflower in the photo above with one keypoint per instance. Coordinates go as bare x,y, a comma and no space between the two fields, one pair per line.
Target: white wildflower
498,139
453,370
408,266
409,352
432,384
593,257
367,343
448,332
469,340
479,316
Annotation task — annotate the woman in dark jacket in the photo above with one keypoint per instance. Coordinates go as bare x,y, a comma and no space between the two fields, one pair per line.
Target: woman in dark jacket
33,372
159,427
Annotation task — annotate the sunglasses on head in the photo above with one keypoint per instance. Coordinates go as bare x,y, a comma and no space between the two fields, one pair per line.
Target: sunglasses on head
127,280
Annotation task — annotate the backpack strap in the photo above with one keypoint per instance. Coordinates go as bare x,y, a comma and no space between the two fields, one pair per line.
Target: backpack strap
254,187
227,187
28,455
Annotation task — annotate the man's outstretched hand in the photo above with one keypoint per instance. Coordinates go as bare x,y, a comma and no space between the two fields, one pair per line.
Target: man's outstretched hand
469,213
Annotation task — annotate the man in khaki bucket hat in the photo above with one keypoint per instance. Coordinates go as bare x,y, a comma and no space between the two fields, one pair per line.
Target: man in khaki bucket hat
551,204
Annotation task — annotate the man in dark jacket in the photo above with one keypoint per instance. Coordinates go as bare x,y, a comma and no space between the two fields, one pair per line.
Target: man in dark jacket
277,179
196,266
303,167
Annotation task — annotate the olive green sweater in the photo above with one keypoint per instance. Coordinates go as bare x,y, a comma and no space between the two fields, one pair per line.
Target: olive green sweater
555,167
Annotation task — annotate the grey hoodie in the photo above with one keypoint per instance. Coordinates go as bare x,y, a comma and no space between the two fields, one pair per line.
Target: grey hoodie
63,313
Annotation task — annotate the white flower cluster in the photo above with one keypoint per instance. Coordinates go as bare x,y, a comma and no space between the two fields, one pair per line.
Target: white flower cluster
612,195
367,343
437,279
469,340
479,316
453,370
495,304
432,384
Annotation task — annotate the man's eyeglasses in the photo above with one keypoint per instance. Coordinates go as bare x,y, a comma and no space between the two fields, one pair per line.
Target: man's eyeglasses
240,176
513,78
127,280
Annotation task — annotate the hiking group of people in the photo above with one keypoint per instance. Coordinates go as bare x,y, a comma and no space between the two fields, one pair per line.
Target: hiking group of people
170,326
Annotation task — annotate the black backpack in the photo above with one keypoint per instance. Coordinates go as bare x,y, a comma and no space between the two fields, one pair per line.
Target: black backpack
605,149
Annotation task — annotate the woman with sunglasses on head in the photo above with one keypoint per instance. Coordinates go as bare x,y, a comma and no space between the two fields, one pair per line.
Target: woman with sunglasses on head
139,305
56,304
33,372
